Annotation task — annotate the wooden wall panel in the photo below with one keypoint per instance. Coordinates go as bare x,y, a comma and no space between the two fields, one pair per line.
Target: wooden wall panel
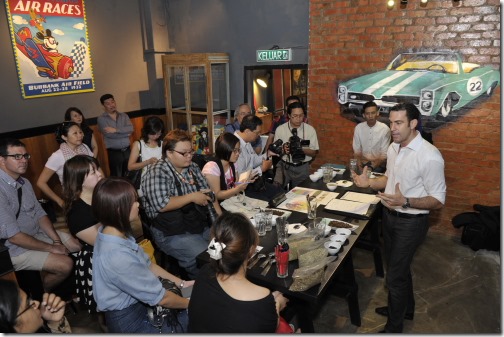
41,147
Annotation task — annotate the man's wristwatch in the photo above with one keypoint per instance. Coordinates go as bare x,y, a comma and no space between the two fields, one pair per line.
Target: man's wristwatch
406,204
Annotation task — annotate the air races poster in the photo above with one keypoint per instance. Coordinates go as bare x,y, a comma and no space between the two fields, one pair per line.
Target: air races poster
51,48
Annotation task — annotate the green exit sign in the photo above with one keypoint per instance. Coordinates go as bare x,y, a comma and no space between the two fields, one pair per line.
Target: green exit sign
274,55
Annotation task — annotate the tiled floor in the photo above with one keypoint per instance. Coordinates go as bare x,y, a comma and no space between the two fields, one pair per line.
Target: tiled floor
457,291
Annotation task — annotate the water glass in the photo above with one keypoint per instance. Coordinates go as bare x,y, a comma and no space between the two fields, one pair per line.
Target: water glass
268,213
282,228
260,222
353,167
327,174
312,209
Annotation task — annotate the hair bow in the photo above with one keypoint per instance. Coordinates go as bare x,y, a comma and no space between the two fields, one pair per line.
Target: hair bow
215,249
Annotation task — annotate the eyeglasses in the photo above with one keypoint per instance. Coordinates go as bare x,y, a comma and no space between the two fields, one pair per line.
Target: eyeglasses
185,154
237,150
30,304
18,156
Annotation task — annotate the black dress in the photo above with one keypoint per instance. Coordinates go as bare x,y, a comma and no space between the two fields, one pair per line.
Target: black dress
88,134
81,217
212,310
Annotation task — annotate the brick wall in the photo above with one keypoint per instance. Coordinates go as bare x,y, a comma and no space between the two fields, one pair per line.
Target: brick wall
349,38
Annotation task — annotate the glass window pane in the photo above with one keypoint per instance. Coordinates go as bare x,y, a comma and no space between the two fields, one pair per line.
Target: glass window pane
177,93
219,86
197,88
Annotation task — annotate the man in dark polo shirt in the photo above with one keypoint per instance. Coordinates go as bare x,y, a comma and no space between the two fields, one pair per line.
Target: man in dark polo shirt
116,128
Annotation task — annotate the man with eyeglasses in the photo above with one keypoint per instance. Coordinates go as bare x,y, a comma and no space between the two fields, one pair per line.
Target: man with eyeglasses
241,111
176,200
33,242
288,170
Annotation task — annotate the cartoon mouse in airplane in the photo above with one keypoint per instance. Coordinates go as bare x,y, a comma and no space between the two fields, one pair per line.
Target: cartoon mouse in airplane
50,43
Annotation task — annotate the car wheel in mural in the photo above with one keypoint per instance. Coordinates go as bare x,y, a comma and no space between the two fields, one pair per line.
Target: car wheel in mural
439,83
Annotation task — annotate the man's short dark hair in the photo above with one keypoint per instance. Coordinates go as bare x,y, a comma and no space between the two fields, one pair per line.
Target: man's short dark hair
292,98
411,111
295,105
369,105
250,122
105,97
5,143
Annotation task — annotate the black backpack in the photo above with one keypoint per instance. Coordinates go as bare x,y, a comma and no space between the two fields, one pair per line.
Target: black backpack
481,228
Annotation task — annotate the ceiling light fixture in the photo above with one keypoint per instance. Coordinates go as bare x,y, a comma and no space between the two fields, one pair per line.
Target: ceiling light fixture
390,3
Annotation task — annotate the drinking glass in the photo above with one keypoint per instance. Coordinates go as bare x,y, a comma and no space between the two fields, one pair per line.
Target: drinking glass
327,174
260,221
282,261
312,209
268,213
353,167
282,228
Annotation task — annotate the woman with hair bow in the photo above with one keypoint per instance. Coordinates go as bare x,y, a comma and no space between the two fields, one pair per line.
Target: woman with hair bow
223,300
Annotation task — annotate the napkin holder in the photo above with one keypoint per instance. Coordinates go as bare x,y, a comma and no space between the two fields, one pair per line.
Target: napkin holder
277,200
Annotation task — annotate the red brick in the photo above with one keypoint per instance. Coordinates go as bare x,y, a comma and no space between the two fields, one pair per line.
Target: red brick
425,21
461,11
446,19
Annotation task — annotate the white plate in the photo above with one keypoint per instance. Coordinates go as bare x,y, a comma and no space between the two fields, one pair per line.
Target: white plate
352,226
344,183
292,230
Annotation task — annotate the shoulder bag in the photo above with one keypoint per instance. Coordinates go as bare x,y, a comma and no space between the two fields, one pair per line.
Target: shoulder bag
135,176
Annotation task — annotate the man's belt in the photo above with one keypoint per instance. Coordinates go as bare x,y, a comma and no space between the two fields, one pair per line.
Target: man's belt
397,214
119,150
295,164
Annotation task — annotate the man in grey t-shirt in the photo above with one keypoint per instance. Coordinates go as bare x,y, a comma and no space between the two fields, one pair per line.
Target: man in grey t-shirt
116,128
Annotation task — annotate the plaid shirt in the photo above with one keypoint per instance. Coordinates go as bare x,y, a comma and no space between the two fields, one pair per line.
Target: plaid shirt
158,185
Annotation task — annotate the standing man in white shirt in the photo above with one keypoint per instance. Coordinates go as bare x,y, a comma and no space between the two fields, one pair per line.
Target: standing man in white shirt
290,169
116,128
414,184
371,140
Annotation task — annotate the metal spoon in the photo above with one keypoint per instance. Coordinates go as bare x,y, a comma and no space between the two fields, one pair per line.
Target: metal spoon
266,270
253,263
270,256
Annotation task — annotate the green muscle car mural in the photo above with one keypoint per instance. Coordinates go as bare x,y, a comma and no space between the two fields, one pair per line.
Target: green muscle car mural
436,82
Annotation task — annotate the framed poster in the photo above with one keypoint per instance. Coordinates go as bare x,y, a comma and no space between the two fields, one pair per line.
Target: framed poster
50,44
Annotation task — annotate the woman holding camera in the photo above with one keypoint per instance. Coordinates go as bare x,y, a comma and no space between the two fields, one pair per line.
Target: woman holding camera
177,201
125,282
221,173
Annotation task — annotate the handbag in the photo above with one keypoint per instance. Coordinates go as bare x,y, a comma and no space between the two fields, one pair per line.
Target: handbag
157,314
135,176
148,248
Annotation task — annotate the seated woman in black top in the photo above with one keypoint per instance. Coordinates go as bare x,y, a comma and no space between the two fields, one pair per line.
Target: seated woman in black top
223,300
80,176
220,172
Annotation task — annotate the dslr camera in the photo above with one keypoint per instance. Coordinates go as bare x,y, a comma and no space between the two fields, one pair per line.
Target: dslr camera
212,214
296,147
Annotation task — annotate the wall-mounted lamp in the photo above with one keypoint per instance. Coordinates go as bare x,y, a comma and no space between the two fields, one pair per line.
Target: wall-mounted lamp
391,3
262,82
